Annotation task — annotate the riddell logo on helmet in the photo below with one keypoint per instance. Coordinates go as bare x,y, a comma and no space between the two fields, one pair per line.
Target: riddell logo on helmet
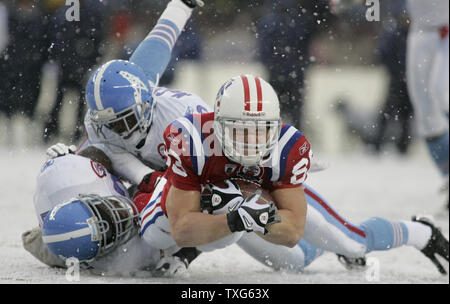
253,114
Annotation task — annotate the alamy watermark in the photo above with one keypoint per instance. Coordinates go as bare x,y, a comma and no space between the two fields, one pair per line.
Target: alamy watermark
372,273
73,269
73,10
373,10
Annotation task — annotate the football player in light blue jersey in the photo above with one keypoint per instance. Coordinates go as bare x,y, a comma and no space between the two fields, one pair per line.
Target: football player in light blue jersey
85,212
128,112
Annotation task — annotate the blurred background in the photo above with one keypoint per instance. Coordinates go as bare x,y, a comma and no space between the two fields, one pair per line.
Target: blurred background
340,77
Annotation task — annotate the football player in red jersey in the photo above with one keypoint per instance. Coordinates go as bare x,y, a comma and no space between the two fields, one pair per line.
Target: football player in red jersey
245,138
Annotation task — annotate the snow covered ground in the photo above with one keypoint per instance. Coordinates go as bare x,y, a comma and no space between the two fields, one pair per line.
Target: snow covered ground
357,185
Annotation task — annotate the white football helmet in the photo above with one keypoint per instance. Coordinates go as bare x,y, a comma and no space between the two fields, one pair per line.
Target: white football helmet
247,120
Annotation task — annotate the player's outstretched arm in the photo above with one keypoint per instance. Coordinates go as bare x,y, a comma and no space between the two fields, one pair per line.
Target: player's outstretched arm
154,52
292,210
189,226
98,156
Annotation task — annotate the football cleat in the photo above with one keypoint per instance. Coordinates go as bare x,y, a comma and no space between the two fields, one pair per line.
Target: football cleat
437,245
193,3
176,264
352,263
170,266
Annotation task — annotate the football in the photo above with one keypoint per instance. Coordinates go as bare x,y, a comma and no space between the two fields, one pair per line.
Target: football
248,188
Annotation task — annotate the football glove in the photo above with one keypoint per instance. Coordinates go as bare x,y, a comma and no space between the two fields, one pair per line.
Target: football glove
216,200
251,216
60,149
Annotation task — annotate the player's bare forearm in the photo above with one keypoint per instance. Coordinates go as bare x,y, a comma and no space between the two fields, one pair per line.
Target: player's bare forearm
97,155
198,228
292,210
189,226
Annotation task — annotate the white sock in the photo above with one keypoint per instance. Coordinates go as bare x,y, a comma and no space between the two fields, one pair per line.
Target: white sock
418,234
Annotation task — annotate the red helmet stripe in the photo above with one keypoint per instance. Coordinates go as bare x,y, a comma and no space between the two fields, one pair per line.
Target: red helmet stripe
246,93
259,93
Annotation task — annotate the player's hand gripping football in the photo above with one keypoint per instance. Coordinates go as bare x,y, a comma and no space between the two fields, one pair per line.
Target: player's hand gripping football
251,216
60,149
219,200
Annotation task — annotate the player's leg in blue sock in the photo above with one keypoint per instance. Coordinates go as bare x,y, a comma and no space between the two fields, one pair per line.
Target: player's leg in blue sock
310,252
328,230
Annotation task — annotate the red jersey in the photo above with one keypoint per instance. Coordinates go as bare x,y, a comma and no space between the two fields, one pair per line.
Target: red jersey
194,158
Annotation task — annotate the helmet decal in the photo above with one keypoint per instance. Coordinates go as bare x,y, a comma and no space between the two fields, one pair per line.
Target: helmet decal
137,84
89,226
120,101
259,97
246,93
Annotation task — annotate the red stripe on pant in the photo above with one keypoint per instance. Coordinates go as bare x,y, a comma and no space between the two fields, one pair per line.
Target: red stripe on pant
334,214
443,31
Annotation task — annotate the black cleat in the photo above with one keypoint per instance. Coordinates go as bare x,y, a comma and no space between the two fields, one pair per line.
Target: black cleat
177,263
352,263
193,3
437,245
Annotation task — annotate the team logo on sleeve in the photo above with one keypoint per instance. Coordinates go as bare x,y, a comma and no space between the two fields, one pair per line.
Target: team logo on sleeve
98,169
173,139
47,164
304,148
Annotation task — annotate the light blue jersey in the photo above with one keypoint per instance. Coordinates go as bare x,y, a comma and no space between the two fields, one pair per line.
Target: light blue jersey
152,55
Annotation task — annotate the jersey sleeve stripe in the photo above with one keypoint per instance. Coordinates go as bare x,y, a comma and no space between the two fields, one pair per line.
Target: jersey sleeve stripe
286,150
197,153
151,203
150,222
147,214
284,129
285,144
150,212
